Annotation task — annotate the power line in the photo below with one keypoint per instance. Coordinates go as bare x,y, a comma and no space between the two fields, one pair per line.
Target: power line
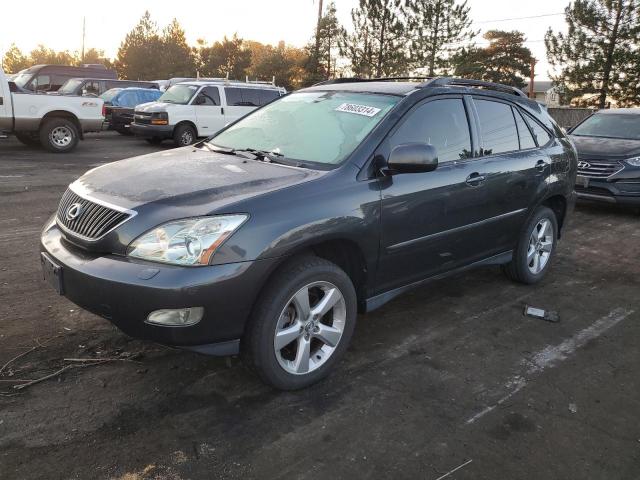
521,18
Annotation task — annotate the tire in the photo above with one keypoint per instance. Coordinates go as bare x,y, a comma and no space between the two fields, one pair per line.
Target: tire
279,309
531,261
59,135
124,131
154,140
28,138
184,135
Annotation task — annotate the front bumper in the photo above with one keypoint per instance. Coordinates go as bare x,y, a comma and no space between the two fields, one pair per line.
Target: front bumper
151,131
125,291
622,192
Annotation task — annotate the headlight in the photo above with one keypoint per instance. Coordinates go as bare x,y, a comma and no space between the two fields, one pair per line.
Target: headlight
633,161
191,241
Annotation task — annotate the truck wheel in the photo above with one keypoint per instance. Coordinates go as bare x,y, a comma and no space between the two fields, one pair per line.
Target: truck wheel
28,138
301,325
59,135
536,248
184,135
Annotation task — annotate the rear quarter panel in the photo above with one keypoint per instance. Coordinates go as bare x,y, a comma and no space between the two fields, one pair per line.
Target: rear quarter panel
29,109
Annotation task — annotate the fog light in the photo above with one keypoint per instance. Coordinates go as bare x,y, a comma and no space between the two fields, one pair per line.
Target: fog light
180,317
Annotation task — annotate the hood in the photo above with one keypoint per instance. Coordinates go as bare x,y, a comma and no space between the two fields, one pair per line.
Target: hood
603,148
188,177
154,107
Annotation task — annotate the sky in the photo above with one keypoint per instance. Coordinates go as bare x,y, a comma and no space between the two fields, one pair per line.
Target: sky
59,26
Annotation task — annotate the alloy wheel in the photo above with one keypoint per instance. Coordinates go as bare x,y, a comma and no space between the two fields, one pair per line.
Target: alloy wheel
310,328
540,246
61,136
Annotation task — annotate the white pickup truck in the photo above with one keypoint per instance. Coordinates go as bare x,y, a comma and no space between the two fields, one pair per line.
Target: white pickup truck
56,122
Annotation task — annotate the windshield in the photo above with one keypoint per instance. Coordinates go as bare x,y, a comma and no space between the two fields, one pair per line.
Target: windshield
610,125
109,94
321,127
180,94
70,86
22,78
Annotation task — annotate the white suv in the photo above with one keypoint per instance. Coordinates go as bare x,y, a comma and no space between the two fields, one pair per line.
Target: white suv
195,109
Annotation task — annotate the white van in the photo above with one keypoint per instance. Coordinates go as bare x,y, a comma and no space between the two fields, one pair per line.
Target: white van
195,109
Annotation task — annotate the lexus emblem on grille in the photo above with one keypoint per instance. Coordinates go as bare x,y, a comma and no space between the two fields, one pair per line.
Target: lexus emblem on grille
74,211
583,165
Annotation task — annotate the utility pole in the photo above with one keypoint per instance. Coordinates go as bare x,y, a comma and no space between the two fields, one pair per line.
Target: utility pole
532,94
318,31
83,31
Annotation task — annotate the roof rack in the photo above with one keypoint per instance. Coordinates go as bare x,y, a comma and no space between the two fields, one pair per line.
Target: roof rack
434,82
363,80
465,82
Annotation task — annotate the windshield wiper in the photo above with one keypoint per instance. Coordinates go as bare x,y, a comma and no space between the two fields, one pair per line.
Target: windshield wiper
263,155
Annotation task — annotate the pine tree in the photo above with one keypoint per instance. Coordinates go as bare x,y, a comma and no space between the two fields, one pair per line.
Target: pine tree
229,58
598,54
177,57
323,50
377,45
505,60
437,29
140,53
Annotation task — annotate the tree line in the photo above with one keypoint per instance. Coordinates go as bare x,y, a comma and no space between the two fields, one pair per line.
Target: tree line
597,60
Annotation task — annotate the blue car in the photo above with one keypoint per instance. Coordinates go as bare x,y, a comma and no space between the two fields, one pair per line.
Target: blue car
119,105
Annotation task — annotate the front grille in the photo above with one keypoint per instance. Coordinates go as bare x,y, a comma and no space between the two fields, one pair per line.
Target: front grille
93,221
598,168
143,118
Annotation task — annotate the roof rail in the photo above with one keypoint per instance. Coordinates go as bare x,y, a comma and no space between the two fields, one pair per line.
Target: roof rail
359,80
465,82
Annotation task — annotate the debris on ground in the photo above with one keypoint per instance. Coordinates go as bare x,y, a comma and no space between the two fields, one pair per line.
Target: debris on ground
546,315
573,408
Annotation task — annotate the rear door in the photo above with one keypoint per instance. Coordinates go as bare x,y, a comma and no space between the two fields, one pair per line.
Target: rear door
210,115
240,102
514,169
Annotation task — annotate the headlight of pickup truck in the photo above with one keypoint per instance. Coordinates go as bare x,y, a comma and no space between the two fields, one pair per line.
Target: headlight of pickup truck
633,161
159,118
191,241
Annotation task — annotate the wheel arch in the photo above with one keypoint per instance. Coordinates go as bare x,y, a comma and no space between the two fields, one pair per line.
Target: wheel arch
558,204
62,114
186,122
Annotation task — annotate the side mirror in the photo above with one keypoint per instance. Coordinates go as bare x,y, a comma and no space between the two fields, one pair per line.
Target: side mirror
413,158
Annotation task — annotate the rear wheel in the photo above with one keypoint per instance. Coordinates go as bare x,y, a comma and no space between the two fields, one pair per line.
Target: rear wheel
59,135
28,138
536,248
184,135
301,325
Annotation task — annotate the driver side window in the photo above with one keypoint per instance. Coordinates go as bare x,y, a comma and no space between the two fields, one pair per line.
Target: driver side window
441,123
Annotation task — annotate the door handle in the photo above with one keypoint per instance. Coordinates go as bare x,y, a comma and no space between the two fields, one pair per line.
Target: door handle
475,179
541,165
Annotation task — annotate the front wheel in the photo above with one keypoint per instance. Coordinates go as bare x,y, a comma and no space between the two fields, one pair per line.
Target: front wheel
302,324
184,135
59,135
536,248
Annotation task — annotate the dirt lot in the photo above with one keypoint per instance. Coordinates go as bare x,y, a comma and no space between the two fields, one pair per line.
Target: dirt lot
451,374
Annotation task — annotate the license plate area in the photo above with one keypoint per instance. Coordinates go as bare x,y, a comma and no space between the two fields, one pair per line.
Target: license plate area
52,273
582,181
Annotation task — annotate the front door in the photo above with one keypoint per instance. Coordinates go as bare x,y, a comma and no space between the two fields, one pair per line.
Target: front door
210,116
441,220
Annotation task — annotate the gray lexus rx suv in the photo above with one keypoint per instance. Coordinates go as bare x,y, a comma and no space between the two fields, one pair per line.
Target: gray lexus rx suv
269,237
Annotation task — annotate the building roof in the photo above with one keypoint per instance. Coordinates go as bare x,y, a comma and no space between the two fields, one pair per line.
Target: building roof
539,86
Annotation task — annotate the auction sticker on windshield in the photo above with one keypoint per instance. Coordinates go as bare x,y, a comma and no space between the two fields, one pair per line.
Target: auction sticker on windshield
358,109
